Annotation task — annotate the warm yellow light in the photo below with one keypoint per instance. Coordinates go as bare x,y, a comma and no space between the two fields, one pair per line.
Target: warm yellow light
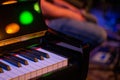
9,2
12,28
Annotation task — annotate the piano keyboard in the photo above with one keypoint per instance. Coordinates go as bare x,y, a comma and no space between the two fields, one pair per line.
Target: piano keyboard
26,65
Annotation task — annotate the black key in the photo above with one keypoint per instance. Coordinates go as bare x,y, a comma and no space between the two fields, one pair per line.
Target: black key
11,61
19,60
39,56
23,54
32,55
1,70
5,66
41,53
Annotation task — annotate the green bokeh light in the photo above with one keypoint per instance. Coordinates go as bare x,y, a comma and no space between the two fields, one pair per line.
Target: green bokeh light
36,7
26,18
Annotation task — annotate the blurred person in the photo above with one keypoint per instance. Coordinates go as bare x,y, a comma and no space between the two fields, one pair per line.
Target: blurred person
65,18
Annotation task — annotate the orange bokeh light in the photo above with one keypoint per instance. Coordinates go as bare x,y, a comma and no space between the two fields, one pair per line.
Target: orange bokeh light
9,2
12,28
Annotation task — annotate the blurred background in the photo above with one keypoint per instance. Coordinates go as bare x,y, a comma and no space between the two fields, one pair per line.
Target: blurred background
105,60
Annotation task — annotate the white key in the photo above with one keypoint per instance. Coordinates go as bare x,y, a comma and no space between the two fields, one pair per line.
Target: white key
4,76
51,54
40,66
14,73
52,62
55,57
1,78
43,65
31,67
23,72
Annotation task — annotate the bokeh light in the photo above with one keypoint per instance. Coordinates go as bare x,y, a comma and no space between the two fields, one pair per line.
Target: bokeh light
12,28
26,18
9,2
37,7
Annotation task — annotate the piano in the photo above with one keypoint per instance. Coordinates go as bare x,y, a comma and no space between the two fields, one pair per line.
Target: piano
27,52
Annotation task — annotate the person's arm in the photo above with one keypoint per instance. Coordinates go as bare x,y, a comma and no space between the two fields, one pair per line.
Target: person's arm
65,4
54,11
89,17
82,12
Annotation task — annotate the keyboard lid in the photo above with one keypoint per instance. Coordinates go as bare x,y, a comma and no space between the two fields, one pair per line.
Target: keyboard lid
20,21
